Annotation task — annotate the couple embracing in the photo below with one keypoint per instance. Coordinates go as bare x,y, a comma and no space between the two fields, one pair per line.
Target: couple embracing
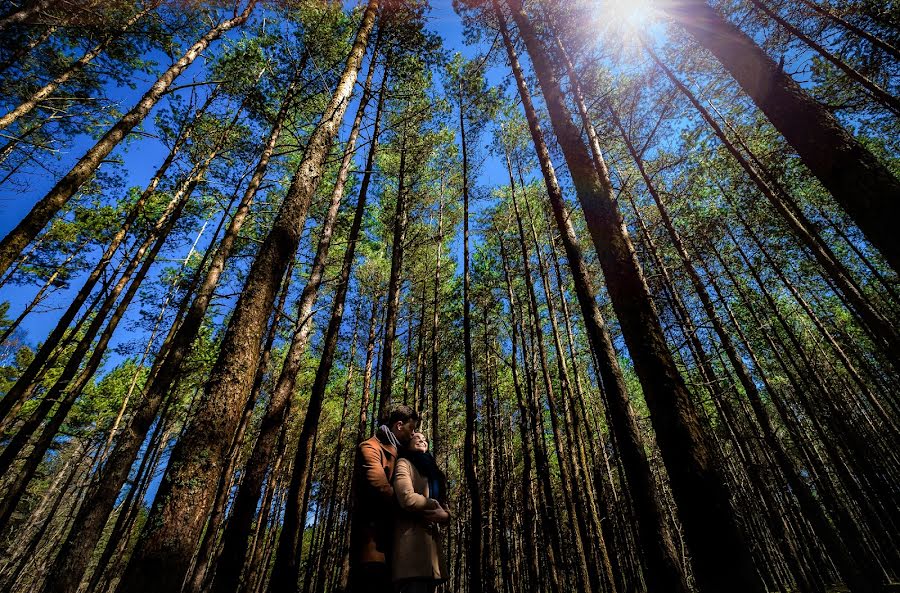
401,504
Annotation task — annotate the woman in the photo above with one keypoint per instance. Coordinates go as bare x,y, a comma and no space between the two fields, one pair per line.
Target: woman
418,559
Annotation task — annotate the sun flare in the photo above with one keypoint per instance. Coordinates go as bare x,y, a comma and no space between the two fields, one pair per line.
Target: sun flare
627,14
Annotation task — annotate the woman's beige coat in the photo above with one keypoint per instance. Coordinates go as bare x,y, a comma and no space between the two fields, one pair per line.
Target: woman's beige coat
418,550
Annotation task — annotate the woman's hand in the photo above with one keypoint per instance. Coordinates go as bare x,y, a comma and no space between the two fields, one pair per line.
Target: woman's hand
439,515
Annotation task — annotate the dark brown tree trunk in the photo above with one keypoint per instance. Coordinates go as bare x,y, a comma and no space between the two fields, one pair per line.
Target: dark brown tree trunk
436,442
238,531
392,300
862,185
720,553
370,357
176,519
470,454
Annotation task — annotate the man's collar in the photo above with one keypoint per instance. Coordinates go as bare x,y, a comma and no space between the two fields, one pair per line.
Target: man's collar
389,447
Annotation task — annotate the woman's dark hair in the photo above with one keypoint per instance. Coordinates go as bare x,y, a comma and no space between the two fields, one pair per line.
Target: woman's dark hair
399,413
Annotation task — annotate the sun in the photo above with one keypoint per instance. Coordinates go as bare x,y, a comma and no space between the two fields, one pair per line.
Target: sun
627,14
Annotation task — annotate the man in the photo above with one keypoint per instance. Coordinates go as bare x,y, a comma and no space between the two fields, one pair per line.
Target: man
375,505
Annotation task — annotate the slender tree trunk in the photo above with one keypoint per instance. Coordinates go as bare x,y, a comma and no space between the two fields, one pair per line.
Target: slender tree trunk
436,442
874,40
392,301
470,454
370,357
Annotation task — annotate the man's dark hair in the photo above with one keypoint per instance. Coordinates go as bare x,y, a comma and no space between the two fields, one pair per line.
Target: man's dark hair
399,413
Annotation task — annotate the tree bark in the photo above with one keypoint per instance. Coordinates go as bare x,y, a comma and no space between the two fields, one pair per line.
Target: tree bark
287,557
470,454
392,300
238,531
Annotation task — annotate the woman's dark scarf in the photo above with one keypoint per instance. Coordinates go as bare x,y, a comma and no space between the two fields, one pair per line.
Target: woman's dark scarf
428,468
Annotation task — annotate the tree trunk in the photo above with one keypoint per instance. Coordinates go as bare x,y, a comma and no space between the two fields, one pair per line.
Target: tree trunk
470,454
392,301
238,531
436,442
